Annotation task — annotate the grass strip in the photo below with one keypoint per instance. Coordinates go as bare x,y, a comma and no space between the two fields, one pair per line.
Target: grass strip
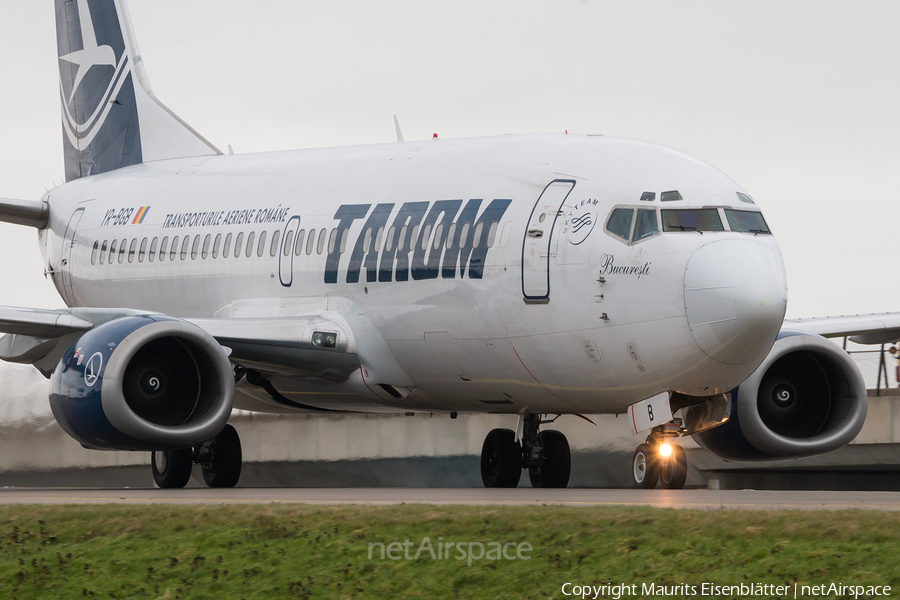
301,551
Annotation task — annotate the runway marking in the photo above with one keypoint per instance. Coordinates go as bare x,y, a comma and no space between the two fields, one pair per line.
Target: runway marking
677,500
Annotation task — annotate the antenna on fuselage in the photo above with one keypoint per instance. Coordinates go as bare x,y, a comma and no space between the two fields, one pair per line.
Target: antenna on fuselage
397,127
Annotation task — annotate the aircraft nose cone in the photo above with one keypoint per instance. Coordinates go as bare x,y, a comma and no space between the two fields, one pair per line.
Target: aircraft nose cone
735,297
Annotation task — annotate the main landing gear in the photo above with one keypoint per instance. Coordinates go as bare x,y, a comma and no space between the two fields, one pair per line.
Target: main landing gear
544,453
659,460
220,459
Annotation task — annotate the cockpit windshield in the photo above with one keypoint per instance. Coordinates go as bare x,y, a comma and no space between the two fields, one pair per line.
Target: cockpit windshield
635,224
746,220
690,219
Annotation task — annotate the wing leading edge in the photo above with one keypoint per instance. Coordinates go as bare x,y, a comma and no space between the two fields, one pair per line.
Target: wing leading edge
882,328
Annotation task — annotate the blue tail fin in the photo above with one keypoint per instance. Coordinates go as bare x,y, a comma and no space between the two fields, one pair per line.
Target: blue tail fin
111,118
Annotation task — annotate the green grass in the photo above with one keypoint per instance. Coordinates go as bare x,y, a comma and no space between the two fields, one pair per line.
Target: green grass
297,551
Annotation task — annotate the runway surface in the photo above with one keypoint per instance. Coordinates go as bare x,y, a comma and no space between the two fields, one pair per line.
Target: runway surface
693,499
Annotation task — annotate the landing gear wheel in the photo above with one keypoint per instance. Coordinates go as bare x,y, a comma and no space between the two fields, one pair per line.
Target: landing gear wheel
556,462
224,467
171,468
644,471
501,459
673,470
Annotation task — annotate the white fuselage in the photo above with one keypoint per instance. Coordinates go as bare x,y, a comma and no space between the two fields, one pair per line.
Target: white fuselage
614,326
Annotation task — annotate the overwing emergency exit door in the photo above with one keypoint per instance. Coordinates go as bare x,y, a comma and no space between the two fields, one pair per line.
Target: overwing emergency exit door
542,224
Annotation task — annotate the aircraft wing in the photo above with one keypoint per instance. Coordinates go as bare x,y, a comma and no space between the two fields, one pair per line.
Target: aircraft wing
286,345
40,323
883,328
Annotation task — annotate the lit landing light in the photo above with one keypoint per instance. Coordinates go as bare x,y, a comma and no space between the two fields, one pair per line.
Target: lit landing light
665,450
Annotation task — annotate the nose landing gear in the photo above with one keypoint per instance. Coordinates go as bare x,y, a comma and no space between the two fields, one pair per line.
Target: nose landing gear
545,454
659,460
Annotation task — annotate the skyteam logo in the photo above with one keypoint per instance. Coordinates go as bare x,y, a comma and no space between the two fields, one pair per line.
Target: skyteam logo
580,221
90,77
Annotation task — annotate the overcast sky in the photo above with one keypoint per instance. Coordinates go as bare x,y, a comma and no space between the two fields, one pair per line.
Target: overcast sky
797,101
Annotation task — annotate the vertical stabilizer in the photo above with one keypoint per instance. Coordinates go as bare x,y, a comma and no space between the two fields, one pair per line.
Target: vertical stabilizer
111,118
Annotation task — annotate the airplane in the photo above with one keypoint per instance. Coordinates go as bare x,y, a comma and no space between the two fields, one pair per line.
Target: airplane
533,276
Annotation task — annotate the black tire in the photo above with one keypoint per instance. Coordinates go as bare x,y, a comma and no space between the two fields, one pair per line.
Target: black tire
644,471
501,459
673,471
171,468
224,469
556,464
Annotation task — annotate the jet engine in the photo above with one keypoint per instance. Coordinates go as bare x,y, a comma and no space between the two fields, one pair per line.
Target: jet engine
806,398
143,383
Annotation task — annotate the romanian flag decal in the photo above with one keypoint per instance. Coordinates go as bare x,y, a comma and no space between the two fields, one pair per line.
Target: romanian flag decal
141,214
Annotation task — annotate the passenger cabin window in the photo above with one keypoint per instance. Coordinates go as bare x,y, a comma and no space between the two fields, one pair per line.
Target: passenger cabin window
619,223
207,241
464,235
288,242
320,247
185,242
226,249
451,231
122,249
696,219
143,250
132,250
492,234
273,247
746,221
163,248
332,240
95,252
298,245
195,247
311,243
261,248
216,245
153,247
174,253
239,245
250,241
645,225
479,228
438,232
103,252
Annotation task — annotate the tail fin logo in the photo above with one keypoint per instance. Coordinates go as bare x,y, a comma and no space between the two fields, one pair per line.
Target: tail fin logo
92,77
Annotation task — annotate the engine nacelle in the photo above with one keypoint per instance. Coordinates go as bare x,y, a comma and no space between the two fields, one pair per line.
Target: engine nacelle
143,383
806,398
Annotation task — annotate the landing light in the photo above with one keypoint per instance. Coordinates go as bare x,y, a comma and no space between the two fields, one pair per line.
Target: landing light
665,450
324,340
